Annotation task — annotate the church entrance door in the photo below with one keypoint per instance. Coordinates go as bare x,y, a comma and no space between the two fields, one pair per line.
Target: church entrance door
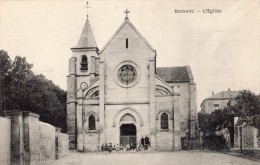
127,134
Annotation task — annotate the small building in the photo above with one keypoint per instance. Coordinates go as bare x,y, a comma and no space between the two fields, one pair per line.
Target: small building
218,101
246,135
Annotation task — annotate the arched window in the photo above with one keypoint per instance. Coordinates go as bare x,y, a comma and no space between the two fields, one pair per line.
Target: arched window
84,63
91,122
164,121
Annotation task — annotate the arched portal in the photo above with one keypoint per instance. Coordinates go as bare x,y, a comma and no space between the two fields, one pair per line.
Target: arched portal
127,130
127,134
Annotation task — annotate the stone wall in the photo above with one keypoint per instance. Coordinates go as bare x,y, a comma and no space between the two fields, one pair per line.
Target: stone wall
31,138
71,124
164,141
193,111
256,138
91,141
184,105
91,137
164,138
71,102
62,145
5,141
249,135
28,141
17,136
47,141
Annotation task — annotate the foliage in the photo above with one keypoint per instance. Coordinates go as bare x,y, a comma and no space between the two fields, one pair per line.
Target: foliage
247,107
23,90
256,122
214,142
205,123
217,120
5,62
5,68
222,118
245,104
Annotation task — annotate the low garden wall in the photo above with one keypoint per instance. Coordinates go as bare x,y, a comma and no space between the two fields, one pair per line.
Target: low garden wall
47,141
5,142
25,140
62,145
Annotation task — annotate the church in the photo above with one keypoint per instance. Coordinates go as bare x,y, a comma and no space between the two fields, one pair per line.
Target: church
118,95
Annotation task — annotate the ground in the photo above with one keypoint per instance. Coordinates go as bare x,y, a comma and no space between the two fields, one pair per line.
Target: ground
152,158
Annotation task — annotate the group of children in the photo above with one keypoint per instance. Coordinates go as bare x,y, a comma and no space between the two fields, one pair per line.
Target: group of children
143,144
109,147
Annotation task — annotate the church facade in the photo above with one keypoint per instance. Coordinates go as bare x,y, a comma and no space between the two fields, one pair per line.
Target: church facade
118,95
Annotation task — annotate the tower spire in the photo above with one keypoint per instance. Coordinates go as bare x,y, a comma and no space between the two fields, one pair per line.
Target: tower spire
87,39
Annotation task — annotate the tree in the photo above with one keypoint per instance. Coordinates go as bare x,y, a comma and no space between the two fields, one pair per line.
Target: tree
246,104
209,124
29,92
205,123
5,67
247,107
256,120
17,95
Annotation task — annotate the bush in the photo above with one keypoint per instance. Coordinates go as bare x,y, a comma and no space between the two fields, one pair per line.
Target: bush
214,142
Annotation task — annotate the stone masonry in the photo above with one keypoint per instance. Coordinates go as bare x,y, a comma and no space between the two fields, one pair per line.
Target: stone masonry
121,87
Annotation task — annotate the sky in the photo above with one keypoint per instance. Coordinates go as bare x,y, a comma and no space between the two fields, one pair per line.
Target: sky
222,49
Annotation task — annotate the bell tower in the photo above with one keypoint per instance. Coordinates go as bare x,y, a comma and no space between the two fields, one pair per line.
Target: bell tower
83,69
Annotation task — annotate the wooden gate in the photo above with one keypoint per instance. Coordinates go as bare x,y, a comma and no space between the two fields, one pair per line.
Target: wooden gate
127,139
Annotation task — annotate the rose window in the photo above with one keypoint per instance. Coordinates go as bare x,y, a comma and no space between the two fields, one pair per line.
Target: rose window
127,74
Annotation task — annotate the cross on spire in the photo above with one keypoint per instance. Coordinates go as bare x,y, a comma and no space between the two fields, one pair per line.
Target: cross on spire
126,12
88,7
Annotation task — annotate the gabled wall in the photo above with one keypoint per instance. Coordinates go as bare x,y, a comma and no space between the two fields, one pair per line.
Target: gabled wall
116,53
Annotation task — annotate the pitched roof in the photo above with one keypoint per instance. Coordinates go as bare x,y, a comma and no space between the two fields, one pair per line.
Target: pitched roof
133,27
175,74
87,39
222,96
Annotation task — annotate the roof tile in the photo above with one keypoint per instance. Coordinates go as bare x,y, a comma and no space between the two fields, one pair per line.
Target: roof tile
173,74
